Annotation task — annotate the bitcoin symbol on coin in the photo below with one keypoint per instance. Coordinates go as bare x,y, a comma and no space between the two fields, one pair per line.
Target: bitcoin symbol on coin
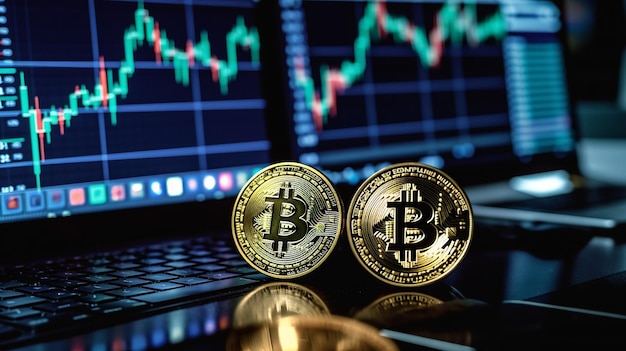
286,220
410,224
287,223
412,228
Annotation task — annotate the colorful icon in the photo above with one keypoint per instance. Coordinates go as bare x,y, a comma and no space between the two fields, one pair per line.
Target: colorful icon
97,194
137,190
192,184
118,192
209,182
34,202
77,197
156,188
12,204
55,199
174,186
225,181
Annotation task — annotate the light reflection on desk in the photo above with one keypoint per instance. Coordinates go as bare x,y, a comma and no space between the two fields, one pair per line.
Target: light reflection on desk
538,265
170,328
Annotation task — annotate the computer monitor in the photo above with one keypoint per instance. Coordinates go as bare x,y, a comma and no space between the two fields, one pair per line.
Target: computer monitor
109,105
477,88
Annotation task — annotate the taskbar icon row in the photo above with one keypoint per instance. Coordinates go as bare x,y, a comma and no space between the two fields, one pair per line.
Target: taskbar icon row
148,189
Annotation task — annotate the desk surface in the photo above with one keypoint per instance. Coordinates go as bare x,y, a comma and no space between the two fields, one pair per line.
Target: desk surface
513,291
510,292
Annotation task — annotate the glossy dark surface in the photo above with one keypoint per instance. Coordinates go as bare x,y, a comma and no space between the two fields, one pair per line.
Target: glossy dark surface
503,291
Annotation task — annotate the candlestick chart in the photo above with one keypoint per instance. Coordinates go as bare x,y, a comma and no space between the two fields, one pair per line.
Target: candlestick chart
122,85
396,79
452,25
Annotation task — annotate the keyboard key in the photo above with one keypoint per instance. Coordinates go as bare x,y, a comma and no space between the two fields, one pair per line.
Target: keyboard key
55,295
154,254
160,277
130,282
5,294
190,281
128,292
97,270
67,284
176,257
205,260
99,278
33,289
154,269
100,261
152,261
96,298
185,272
21,301
199,253
180,264
193,290
69,274
211,267
126,273
96,288
222,249
19,313
163,286
125,258
125,265
175,250
10,284
228,256
234,263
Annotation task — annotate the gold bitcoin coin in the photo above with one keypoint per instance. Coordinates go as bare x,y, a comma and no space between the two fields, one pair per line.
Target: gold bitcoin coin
286,220
410,224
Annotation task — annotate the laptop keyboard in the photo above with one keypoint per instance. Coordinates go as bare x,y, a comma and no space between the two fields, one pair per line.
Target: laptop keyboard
58,294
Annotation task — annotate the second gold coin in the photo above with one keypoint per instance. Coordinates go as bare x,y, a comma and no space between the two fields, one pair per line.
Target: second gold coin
409,224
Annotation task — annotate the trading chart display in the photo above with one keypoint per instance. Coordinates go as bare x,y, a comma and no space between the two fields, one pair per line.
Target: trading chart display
106,104
446,83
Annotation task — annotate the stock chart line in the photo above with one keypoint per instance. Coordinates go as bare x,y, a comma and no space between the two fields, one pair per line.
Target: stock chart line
452,23
106,91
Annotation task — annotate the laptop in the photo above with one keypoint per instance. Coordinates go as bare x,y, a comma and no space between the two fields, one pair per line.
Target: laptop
479,90
127,128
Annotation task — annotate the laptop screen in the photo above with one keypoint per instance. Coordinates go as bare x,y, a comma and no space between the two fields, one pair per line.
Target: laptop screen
476,88
109,105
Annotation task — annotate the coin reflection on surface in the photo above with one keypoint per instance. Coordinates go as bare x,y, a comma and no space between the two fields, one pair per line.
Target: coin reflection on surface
387,310
418,314
284,316
272,301
310,333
